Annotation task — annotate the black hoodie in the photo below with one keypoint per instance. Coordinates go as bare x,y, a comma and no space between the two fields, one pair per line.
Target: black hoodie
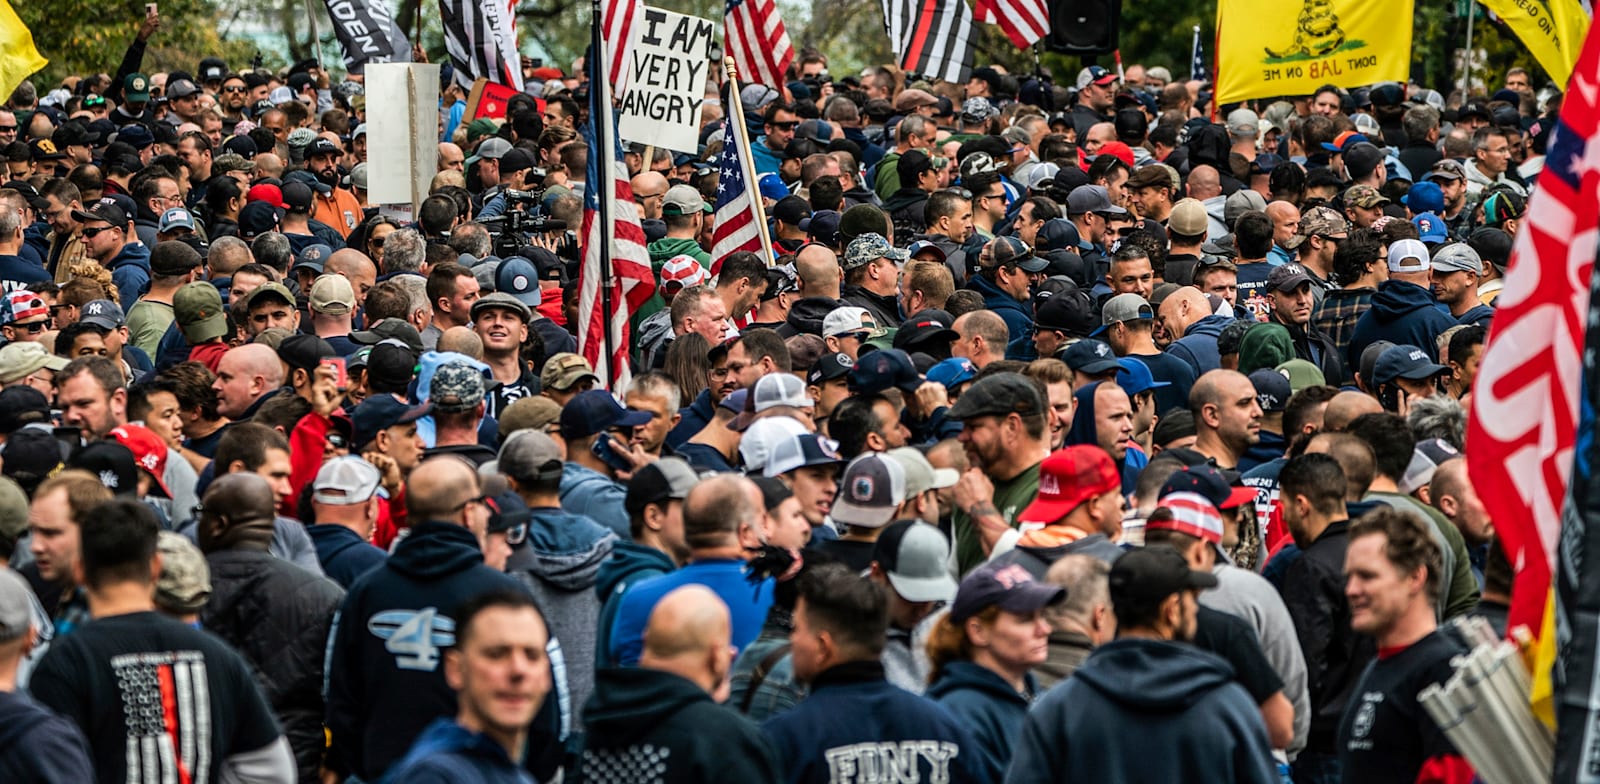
649,725
806,315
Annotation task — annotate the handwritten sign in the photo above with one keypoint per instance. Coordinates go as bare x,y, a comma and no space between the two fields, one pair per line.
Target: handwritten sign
667,80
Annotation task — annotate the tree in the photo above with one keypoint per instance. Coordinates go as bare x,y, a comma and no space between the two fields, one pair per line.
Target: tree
90,36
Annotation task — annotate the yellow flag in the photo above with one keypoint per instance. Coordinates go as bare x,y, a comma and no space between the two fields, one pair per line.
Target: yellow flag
1552,30
1268,48
18,58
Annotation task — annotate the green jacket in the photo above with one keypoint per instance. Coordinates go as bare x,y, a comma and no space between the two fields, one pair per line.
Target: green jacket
661,251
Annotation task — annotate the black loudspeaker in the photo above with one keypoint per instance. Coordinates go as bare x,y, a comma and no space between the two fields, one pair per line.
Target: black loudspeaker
1084,26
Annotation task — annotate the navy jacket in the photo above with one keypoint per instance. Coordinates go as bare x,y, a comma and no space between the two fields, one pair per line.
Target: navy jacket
695,416
1193,722
36,745
650,725
17,272
1198,346
385,682
1401,313
990,709
344,555
130,270
887,725
1018,317
448,753
1479,315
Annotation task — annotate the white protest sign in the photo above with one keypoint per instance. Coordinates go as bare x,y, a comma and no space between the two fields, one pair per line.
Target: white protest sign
402,135
667,80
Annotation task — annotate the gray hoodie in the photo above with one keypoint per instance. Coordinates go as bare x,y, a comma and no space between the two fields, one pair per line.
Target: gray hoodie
559,563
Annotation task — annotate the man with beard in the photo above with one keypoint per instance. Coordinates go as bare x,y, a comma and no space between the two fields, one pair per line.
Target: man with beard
1291,297
337,207
1227,416
1003,418
234,97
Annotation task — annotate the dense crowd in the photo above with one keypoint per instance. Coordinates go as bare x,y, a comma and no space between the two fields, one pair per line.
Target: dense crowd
1068,434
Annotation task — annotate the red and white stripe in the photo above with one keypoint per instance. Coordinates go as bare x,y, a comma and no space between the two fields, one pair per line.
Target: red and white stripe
1024,21
620,35
757,42
734,225
1192,514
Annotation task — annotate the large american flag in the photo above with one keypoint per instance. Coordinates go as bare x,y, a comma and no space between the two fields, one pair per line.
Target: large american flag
615,278
734,226
757,41
619,31
481,37
1024,21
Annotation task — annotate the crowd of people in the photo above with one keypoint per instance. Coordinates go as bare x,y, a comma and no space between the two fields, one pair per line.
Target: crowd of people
1067,434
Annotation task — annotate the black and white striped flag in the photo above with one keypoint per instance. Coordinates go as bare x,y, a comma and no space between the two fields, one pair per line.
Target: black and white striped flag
932,37
481,37
367,33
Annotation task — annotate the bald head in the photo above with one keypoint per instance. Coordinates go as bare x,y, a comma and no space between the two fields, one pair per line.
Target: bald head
255,359
716,508
686,622
462,340
439,487
817,267
237,513
1216,387
985,324
1281,210
226,256
1355,458
1204,182
1181,309
348,262
1345,407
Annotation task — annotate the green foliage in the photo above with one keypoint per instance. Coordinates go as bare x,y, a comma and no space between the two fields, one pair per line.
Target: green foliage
90,36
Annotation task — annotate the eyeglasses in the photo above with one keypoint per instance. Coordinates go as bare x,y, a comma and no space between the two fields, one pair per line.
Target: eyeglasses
233,89
94,232
37,326
481,500
8,129
962,192
863,335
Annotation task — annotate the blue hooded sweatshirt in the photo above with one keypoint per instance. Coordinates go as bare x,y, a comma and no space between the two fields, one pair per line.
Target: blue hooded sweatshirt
130,270
344,555
594,495
448,753
991,710
630,562
1018,317
1479,315
1083,432
1401,313
1192,721
559,563
1198,346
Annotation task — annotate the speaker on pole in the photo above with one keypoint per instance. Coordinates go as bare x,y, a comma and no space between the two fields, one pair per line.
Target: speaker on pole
1084,26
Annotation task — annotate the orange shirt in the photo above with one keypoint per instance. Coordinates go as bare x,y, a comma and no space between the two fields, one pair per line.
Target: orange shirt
338,209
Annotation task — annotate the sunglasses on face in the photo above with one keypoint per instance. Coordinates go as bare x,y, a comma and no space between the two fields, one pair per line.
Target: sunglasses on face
233,89
8,129
785,126
95,232
34,328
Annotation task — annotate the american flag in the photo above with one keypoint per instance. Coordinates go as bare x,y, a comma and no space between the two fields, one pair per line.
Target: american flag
1197,59
932,37
481,37
1525,427
757,41
615,278
734,226
1024,21
620,17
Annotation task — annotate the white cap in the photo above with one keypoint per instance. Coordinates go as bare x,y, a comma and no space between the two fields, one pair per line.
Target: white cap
921,476
846,319
781,389
757,443
345,480
1409,256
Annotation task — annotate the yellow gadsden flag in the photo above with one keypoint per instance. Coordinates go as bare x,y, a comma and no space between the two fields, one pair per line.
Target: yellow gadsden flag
18,58
1268,48
1553,31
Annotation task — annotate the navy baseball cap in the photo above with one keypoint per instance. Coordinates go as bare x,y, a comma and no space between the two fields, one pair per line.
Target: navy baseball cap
829,367
1007,586
880,370
519,277
596,411
1272,389
1134,377
1091,356
381,412
1209,482
1407,362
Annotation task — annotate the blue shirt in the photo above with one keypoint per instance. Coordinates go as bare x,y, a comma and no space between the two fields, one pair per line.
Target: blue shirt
747,603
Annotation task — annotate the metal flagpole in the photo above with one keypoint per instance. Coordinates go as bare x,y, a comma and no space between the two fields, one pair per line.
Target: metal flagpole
1466,76
606,146
736,116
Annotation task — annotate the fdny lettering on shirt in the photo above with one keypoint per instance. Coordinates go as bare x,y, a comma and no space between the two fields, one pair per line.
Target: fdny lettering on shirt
891,762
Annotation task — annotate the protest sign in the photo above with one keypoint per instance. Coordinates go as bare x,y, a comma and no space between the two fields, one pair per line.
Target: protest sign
667,80
1268,48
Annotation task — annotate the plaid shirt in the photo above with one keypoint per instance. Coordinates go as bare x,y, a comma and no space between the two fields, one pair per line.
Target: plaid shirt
1336,315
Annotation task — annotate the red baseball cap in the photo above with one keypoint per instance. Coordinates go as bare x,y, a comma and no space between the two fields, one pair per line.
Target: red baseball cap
149,452
1117,150
268,193
1067,478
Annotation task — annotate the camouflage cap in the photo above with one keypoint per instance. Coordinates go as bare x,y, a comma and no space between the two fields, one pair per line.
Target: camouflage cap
868,248
456,387
1364,196
185,582
1325,221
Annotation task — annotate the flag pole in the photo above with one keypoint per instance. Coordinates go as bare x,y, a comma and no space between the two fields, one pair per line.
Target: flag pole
742,138
605,143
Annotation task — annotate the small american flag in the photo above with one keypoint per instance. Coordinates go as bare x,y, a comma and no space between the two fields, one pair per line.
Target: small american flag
616,264
734,226
1197,59
620,17
1024,21
757,41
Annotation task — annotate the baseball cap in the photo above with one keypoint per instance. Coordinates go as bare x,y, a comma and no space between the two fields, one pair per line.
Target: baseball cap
185,582
22,359
16,605
1458,257
175,218
1402,251
829,367
1425,459
1320,221
683,272
1288,277
924,245
197,308
267,290
801,450
1211,484
976,110
532,412
1090,356
1070,312
660,480
952,372
333,295
564,370
391,329
1124,307
870,247
772,187
1446,169
1343,141
498,299
22,306
925,326
345,480
921,476
381,412
848,319
1407,362
1188,218
1360,160
149,454
596,411
265,192
1364,196
304,352
780,389
761,437
111,461
297,197
1007,586
1192,514
136,88
978,162
791,210
1067,478
312,257
1272,389
998,395
823,227
104,313
1005,250
1151,574
1095,74
879,370
493,148
22,405
1091,198
683,200
1492,245
873,487
915,556
518,278
257,218
1135,377
1243,122
1423,197
456,387
1301,374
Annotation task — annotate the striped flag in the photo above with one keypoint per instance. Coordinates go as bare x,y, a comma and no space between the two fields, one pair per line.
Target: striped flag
1197,59
932,37
619,31
1024,21
757,41
615,278
734,225
481,37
